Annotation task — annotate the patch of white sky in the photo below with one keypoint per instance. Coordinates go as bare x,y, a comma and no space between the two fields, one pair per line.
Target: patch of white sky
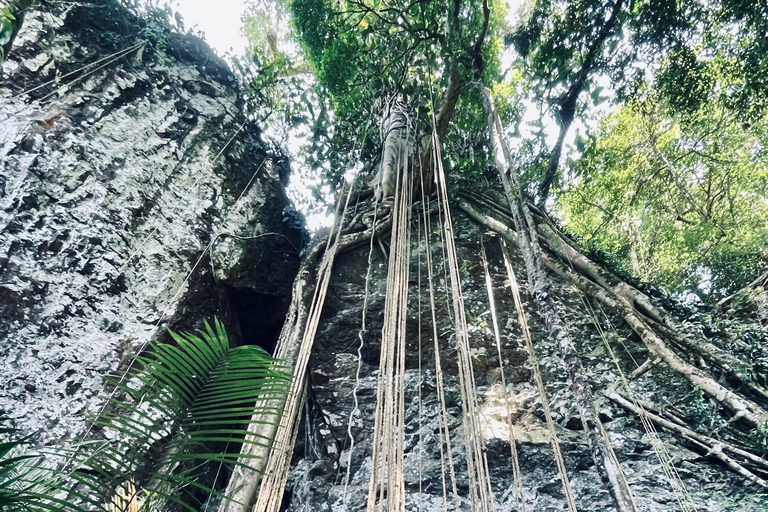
221,22
536,115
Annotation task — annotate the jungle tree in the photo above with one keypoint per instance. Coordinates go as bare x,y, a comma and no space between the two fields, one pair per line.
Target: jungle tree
425,74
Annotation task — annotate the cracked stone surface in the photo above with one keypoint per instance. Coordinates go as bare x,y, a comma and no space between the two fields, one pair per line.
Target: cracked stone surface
118,180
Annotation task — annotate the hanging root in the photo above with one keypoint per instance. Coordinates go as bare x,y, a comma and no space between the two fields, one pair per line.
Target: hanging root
602,454
518,484
749,411
481,494
444,431
361,337
387,476
741,407
539,384
276,471
246,476
713,447
650,316
660,321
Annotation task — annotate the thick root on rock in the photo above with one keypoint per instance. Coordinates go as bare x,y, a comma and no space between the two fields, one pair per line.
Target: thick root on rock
650,324
712,446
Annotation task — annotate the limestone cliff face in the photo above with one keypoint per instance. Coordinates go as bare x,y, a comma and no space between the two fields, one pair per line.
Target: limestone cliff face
125,163
134,197
318,478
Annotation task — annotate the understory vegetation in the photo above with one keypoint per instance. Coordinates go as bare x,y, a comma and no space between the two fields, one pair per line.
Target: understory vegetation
162,434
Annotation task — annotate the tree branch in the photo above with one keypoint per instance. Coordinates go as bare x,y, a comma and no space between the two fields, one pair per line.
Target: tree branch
568,101
477,50
687,433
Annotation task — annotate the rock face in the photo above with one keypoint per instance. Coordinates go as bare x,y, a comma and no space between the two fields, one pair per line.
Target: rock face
322,479
134,197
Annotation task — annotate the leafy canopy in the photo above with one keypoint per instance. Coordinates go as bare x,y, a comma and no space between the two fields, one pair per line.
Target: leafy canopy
363,52
645,119
681,203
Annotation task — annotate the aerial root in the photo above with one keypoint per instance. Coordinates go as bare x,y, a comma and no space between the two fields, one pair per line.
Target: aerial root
659,351
713,447
750,411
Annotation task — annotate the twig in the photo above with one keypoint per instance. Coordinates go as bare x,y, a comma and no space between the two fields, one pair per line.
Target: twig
643,368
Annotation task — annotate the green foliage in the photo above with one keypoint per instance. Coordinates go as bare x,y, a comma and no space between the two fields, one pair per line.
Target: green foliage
11,14
12,487
358,50
702,413
684,81
188,397
179,415
662,22
717,51
364,51
285,98
747,301
25,484
694,54
671,187
555,37
566,51
760,437
753,501
751,343
755,337
6,25
678,203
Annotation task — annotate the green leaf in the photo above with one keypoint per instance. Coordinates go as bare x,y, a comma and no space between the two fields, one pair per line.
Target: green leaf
185,397
6,30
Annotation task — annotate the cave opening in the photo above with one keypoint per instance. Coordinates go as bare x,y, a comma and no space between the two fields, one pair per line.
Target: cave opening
259,317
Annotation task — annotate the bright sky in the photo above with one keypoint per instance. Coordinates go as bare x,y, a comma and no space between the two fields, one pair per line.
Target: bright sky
219,19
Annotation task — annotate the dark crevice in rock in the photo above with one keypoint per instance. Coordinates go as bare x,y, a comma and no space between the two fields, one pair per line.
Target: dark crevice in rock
258,316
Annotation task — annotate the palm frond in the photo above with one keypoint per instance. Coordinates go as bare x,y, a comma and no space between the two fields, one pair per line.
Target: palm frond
25,485
180,408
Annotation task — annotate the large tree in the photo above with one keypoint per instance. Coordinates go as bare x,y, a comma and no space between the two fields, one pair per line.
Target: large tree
403,77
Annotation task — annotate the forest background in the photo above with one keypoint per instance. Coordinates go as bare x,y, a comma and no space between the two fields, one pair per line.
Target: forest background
640,126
